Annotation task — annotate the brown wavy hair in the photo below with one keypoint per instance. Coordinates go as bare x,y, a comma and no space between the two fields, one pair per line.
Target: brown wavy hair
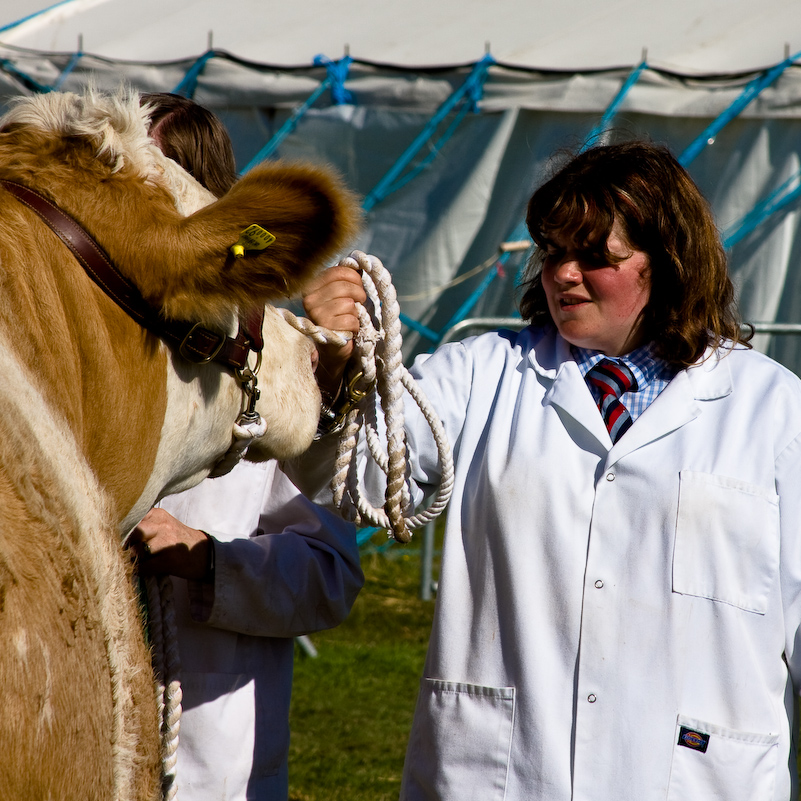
194,137
662,213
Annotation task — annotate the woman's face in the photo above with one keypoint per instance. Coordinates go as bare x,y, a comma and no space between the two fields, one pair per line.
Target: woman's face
596,305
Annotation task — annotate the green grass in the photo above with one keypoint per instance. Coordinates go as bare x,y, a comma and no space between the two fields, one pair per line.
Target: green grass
352,705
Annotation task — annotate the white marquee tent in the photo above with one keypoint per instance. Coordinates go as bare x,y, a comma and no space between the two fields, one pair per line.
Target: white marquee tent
444,115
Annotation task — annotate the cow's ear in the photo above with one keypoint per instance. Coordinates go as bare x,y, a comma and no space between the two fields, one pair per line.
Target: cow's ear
308,210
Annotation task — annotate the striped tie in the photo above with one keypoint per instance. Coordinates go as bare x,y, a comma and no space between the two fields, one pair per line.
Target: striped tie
613,379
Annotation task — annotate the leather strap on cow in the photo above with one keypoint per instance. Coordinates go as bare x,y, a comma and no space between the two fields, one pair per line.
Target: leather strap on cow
194,342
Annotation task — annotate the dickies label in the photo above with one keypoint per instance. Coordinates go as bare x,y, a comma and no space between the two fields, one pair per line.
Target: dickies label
696,740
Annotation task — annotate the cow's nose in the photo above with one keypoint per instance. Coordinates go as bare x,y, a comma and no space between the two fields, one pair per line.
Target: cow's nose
315,359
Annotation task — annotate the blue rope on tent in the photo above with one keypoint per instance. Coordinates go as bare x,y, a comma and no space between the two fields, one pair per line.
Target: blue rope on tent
606,120
76,57
752,90
519,233
30,83
287,127
34,15
781,197
468,305
188,84
337,72
471,91
433,151
421,329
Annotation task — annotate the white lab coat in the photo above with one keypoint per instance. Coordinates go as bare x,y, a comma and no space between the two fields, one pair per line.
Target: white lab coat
594,599
284,567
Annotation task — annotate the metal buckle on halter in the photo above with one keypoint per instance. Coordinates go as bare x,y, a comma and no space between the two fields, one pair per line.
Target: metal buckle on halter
332,418
183,348
249,382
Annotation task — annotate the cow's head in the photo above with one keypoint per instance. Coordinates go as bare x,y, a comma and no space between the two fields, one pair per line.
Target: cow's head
148,421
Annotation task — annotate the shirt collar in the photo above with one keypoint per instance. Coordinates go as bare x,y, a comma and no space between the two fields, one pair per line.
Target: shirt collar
641,361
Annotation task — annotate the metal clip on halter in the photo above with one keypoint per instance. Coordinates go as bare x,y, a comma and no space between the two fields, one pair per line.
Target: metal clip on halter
247,378
332,418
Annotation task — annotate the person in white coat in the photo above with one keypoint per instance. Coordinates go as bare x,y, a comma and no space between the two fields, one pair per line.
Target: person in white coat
619,602
253,564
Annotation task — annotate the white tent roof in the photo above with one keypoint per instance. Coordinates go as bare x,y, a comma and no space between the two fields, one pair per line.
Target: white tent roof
445,145
690,36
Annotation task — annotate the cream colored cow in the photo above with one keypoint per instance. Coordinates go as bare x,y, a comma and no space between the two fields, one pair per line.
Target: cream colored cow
99,418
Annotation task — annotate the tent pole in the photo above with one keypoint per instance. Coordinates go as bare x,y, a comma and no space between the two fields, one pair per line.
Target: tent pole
751,91
606,120
471,88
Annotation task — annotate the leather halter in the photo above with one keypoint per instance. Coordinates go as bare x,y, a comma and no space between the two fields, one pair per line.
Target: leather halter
195,343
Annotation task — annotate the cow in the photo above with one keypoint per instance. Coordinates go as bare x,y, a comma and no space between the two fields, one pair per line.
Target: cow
99,417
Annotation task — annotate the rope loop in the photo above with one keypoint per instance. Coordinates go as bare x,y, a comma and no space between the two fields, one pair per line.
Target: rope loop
378,356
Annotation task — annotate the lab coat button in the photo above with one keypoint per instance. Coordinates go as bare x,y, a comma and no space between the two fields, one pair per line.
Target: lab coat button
610,476
599,584
591,698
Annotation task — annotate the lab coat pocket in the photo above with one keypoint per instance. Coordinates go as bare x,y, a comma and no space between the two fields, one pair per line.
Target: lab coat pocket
727,540
712,761
460,743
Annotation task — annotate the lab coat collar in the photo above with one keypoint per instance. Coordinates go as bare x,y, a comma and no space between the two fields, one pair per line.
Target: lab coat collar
553,361
679,403
707,380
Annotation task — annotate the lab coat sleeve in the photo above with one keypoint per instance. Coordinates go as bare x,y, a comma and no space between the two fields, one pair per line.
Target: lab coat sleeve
788,487
297,573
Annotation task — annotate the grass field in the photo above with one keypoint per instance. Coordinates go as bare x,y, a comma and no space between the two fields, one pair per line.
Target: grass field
352,705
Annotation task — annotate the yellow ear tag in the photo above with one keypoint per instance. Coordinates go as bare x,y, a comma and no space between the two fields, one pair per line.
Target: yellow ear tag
254,237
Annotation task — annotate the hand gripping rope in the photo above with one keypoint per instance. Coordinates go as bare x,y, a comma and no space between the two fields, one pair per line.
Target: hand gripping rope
378,358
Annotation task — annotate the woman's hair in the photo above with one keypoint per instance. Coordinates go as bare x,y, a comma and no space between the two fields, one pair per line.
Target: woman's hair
194,138
662,213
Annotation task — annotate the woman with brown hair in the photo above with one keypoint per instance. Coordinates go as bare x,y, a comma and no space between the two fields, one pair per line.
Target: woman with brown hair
619,602
663,214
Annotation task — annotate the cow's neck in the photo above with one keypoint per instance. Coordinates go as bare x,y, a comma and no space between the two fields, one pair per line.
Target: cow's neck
82,350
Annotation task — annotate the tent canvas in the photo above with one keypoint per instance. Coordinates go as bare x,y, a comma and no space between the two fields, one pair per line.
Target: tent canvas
445,116
691,36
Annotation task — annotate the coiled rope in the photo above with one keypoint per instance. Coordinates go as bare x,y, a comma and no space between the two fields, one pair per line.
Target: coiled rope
378,355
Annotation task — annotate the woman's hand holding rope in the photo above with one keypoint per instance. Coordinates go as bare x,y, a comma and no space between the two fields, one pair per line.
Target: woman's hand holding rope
347,334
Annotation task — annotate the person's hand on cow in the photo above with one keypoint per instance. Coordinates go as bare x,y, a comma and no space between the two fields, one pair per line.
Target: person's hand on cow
330,301
165,546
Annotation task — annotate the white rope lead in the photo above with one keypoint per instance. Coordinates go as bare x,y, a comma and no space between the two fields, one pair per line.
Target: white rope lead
167,671
378,354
